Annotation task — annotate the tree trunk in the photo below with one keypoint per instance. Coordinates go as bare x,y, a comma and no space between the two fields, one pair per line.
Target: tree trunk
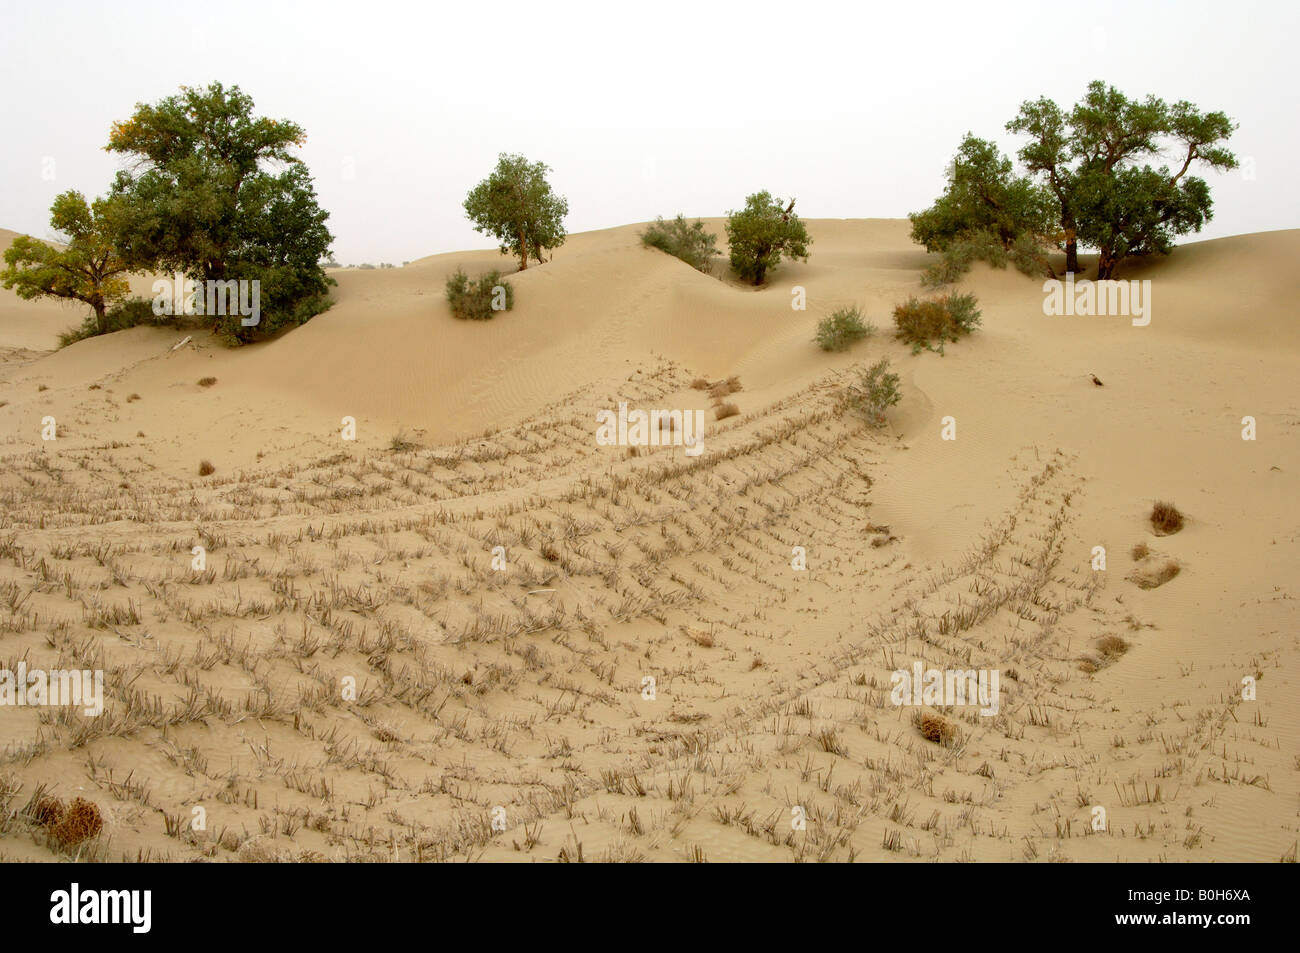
1071,251
1106,263
523,250
100,319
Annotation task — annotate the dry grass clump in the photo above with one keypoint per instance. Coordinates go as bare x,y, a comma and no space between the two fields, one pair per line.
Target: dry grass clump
132,397
80,822
207,381
206,468
1140,552
829,740
699,637
401,443
258,850
67,825
46,811
723,388
699,384
1112,646
724,410
935,728
1155,575
1109,648
1165,519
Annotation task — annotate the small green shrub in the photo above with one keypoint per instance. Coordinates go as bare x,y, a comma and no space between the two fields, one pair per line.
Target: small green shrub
480,299
1029,255
929,324
681,239
130,313
874,392
841,328
958,257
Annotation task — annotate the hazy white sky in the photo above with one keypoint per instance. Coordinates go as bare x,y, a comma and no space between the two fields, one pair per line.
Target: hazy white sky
641,109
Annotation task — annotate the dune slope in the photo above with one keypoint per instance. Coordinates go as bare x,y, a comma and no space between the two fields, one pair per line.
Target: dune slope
639,671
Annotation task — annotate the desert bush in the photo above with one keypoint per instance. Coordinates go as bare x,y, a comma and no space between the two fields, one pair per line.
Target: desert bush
1112,646
1165,519
129,313
480,299
928,324
206,468
952,264
960,254
875,391
207,381
80,822
684,240
841,328
725,410
1029,254
724,388
935,728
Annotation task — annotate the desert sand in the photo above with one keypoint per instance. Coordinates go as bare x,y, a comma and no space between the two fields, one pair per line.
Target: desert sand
518,695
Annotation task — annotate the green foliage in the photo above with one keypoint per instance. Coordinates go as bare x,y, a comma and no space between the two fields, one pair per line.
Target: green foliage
1089,160
481,299
516,206
128,313
197,199
984,203
928,324
874,392
761,233
87,268
841,328
681,239
1027,253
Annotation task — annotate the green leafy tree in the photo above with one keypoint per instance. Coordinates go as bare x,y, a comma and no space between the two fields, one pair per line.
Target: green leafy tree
219,194
517,207
986,210
761,232
87,268
1106,196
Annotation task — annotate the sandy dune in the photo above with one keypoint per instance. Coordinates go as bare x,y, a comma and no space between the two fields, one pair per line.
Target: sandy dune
522,689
